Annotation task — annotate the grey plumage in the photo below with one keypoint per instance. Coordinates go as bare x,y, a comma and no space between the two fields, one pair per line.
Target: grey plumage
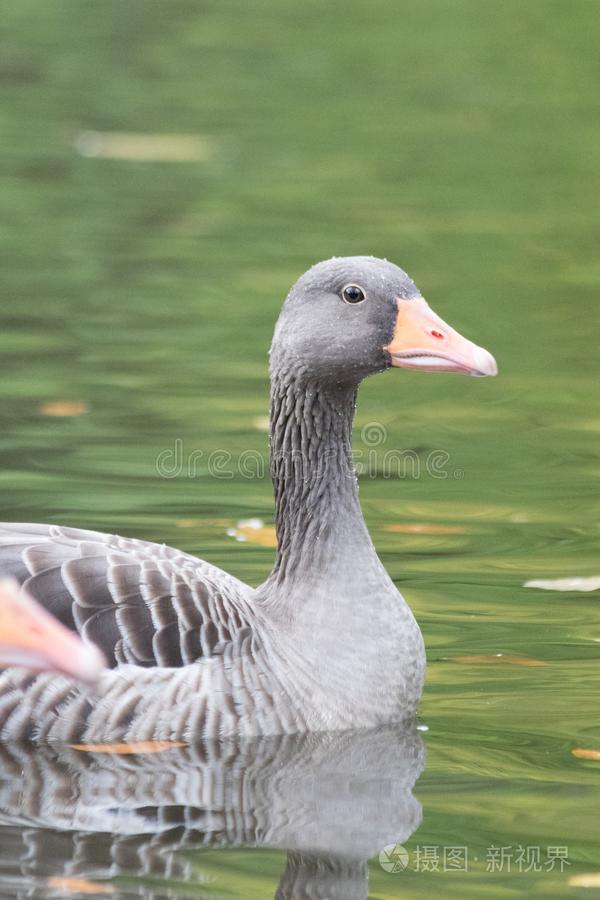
142,603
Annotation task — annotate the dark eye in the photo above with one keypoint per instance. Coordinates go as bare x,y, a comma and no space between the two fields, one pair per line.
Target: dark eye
353,294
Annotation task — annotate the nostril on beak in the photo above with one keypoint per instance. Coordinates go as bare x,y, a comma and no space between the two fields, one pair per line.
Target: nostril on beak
438,335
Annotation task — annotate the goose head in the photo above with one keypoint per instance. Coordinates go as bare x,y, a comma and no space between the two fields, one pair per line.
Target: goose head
350,317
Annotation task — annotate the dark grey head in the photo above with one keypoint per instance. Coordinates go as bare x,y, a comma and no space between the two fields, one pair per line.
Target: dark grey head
352,316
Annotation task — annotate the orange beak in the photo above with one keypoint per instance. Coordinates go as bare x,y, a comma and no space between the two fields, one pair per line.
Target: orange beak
31,637
422,340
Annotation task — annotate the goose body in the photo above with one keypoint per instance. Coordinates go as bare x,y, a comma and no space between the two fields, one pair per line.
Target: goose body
327,642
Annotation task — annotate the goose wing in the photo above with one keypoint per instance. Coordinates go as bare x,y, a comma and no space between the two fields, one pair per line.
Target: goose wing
141,603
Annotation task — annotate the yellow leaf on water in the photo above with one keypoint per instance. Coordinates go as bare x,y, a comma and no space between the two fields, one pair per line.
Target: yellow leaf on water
132,147
261,423
497,658
585,880
582,753
254,531
200,523
423,528
64,408
78,885
133,747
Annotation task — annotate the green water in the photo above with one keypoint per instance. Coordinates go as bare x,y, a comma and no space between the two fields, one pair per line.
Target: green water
460,139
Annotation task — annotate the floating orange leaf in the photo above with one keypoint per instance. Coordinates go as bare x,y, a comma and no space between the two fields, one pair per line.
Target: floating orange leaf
133,747
423,528
199,523
581,753
495,658
64,408
78,885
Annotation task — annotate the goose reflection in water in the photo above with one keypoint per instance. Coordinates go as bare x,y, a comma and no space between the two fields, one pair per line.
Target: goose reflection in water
330,800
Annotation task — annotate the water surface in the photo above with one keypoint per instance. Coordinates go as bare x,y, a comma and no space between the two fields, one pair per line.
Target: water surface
459,139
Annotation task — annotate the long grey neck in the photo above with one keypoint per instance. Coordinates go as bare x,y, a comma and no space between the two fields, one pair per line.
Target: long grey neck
321,532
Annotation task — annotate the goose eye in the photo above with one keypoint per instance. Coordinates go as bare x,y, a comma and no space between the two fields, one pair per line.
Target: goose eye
353,294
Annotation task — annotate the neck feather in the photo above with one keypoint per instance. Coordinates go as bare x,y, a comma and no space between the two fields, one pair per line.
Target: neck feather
319,522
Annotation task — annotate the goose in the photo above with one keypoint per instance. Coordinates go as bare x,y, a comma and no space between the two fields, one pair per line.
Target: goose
327,642
31,637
